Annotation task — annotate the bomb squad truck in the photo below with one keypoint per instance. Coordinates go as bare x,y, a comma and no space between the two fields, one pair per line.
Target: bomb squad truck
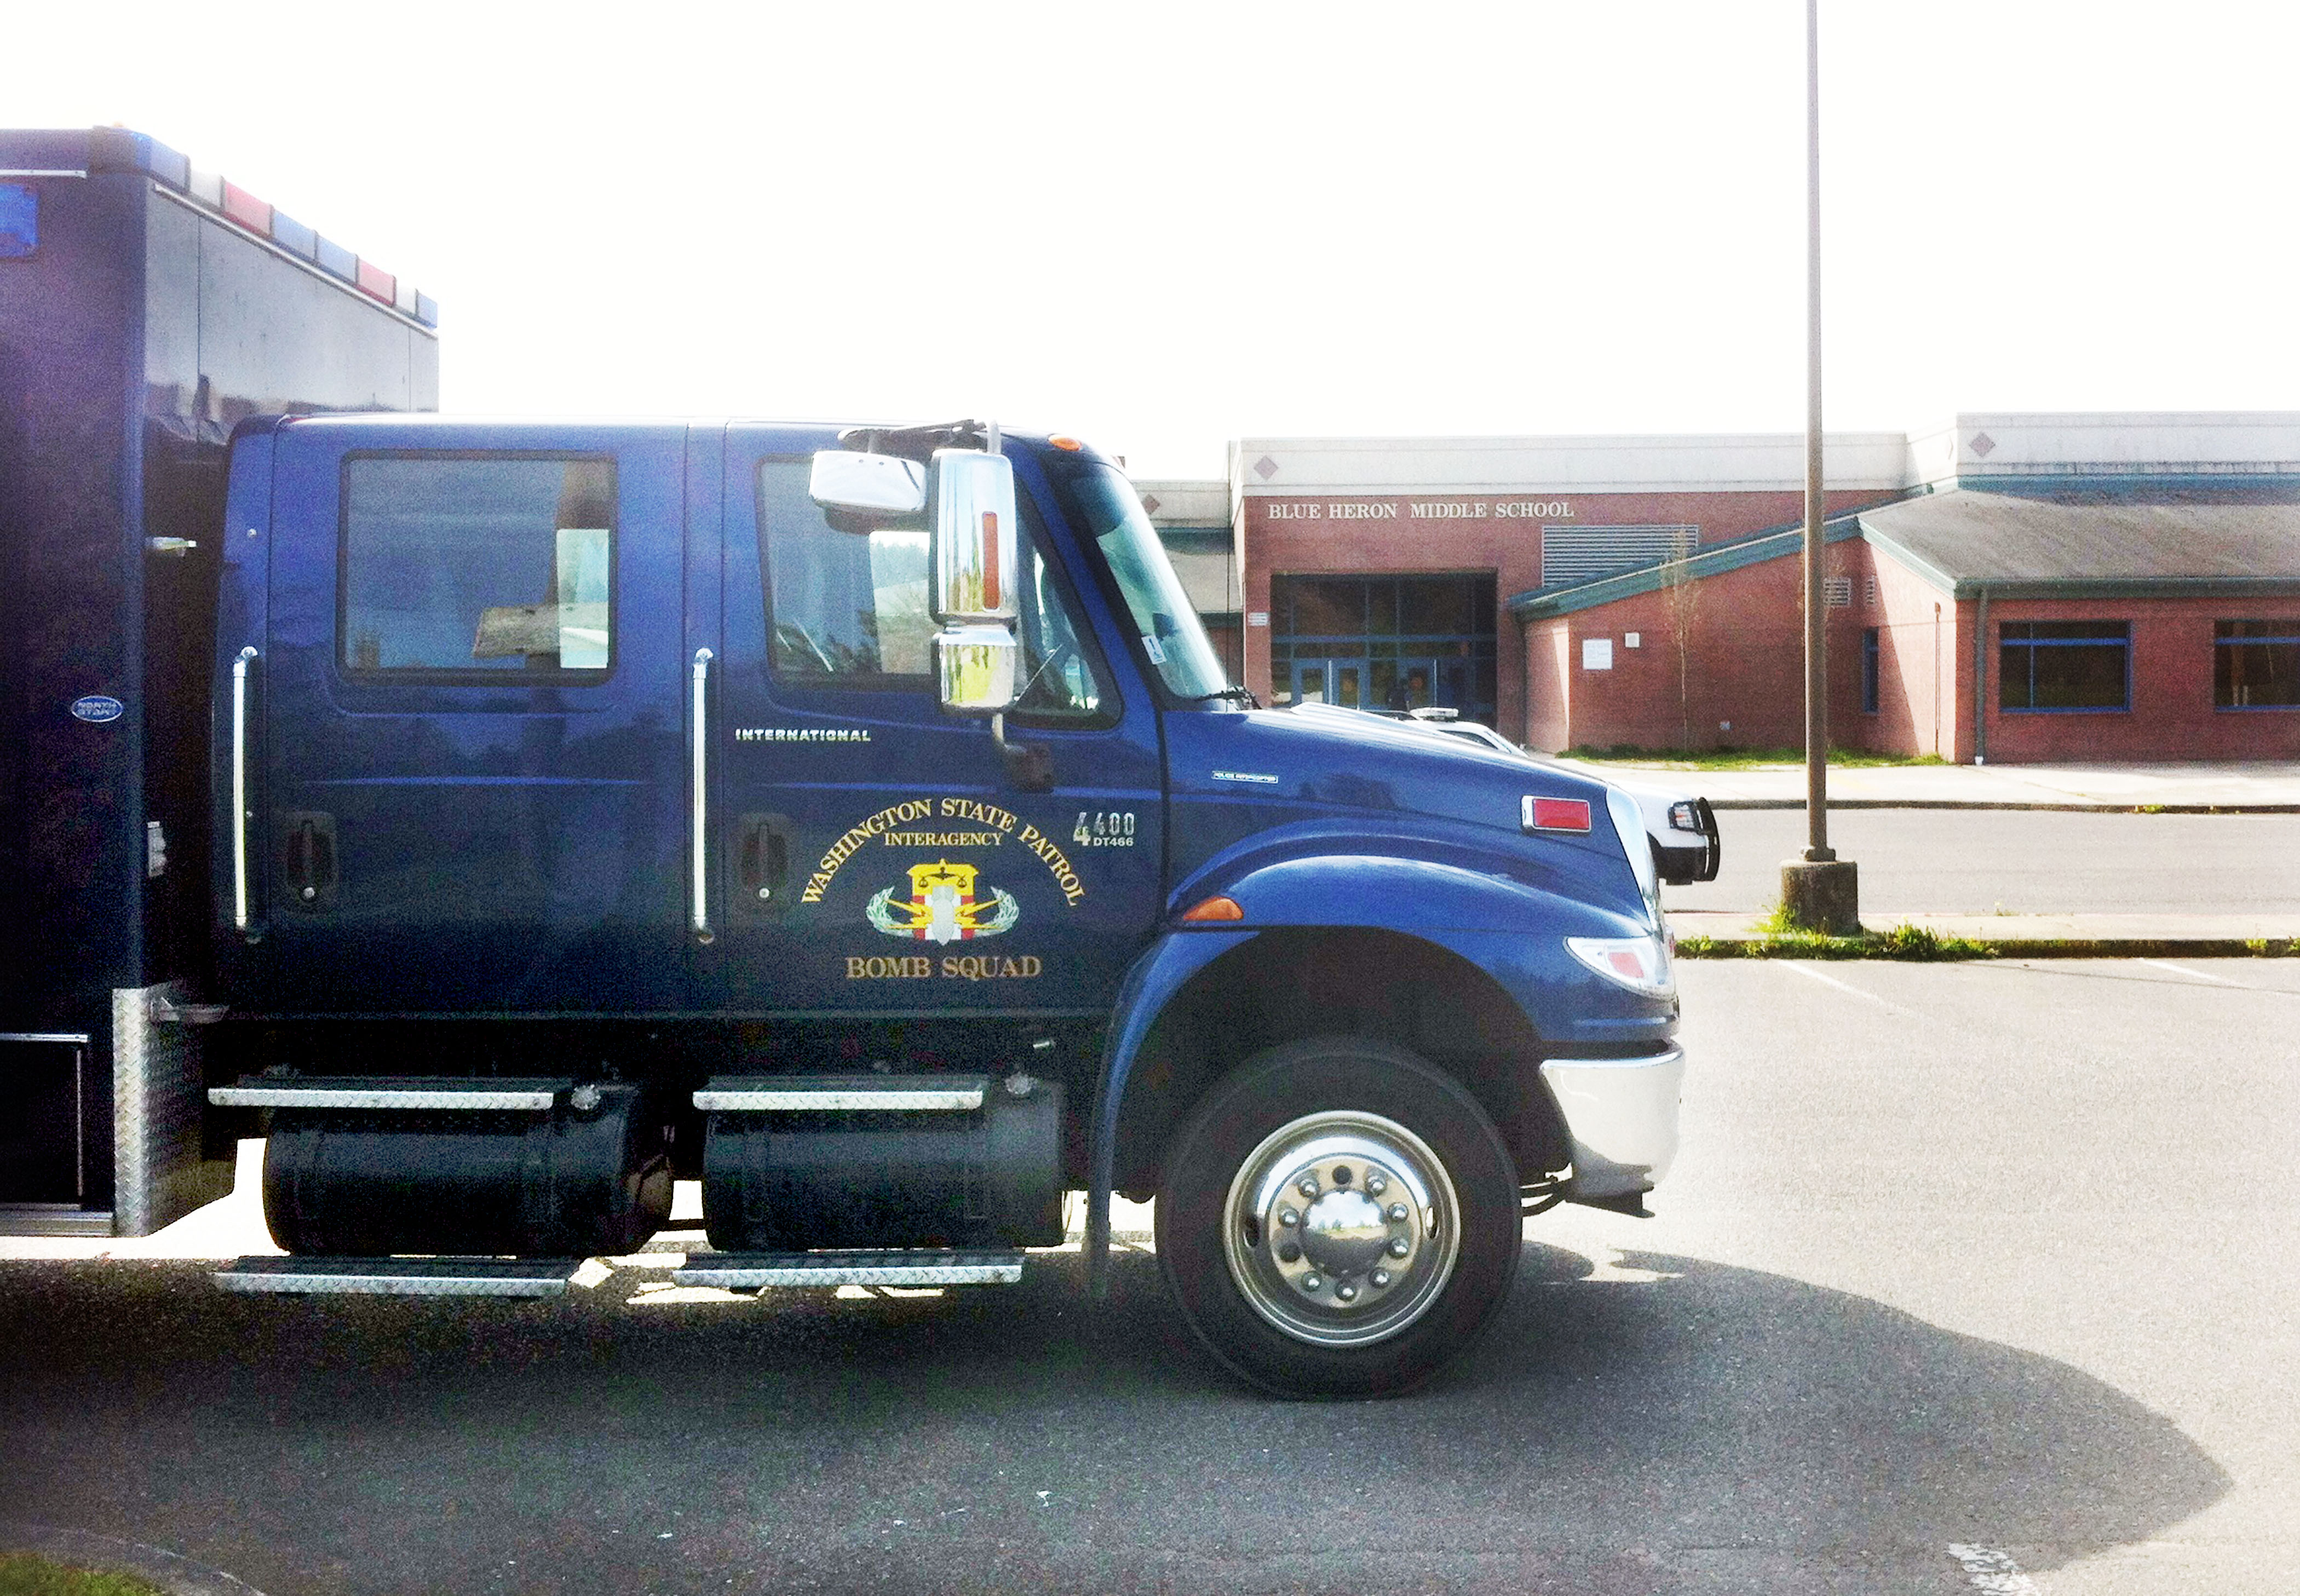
505,820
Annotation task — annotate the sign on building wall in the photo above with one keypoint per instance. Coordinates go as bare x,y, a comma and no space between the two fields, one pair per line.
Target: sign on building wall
1596,653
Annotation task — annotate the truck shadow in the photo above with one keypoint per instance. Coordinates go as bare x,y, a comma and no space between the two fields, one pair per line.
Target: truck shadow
1638,1412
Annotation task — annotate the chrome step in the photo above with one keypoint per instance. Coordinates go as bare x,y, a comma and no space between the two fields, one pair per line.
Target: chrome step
749,1271
402,1276
469,1096
865,1093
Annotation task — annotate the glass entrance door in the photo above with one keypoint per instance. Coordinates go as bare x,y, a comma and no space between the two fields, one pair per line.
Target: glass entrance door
1331,681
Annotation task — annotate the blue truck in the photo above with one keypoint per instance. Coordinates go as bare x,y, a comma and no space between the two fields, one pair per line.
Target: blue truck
513,819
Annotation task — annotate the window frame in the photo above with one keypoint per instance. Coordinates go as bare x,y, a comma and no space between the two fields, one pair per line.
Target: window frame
430,676
2123,639
808,692
2290,636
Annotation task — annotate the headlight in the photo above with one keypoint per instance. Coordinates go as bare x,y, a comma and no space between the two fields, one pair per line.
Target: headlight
1640,963
1682,817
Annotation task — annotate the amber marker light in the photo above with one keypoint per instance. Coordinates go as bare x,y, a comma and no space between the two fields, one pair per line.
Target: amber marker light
1071,444
1213,909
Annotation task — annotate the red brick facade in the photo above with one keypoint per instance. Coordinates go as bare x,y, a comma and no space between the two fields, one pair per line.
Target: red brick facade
1460,534
1743,663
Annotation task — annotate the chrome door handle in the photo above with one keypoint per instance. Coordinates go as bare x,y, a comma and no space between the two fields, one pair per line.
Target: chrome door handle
701,882
240,786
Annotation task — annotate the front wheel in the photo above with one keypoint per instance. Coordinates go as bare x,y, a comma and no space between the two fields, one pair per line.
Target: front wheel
1338,1218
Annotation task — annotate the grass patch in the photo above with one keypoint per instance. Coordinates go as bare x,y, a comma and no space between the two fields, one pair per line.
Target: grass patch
21,1573
1776,939
1741,759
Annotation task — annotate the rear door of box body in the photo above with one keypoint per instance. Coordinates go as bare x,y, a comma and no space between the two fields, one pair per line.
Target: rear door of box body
474,766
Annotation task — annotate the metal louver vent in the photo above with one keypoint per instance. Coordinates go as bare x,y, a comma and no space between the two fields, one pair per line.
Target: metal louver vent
1573,555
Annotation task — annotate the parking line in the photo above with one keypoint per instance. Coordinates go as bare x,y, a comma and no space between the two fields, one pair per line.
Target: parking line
1845,986
2182,969
1993,1571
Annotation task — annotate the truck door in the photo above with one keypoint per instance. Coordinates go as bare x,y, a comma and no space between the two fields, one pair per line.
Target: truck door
873,854
475,756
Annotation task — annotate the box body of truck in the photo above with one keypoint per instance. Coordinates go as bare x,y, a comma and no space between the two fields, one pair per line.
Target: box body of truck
144,309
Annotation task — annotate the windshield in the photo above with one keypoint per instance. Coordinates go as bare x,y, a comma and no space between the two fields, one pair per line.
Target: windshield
1109,512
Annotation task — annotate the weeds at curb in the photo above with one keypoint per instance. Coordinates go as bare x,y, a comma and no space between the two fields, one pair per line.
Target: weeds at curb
1905,942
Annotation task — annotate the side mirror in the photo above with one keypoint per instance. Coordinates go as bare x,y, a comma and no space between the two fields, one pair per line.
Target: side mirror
975,667
845,480
975,564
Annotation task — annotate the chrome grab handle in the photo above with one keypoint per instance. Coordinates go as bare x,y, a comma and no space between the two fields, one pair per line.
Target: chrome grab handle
702,919
240,786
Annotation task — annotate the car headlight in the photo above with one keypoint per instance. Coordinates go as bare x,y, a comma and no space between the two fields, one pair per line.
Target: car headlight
1682,817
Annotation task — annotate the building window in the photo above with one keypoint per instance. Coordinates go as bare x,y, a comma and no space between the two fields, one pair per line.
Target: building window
2049,667
1868,664
2256,664
1390,643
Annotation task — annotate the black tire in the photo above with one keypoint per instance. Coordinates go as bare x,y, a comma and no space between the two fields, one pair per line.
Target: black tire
1233,1289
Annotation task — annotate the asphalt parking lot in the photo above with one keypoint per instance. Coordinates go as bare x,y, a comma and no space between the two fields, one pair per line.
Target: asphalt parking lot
1967,1272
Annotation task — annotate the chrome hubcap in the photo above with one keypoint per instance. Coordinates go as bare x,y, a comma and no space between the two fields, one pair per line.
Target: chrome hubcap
1341,1228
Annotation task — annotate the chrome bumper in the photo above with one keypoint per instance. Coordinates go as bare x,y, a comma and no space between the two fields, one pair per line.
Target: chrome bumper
1620,1119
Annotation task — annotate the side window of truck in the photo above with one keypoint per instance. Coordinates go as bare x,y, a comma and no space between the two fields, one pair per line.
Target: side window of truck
476,566
847,605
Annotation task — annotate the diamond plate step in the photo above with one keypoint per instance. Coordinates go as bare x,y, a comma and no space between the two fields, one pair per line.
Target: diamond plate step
402,1276
749,1271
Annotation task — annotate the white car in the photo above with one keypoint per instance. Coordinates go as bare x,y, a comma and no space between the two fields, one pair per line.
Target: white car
1681,827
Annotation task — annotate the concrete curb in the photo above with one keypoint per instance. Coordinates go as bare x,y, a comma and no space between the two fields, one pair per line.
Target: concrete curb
2069,808
177,1575
1731,946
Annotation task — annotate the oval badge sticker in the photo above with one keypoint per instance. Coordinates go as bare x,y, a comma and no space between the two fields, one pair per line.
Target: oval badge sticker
97,708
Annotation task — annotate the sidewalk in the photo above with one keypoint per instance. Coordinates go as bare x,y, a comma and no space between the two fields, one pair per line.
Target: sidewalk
2254,786
2047,935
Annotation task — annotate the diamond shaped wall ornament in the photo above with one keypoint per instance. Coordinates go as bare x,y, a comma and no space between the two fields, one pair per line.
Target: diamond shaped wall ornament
1982,444
1149,503
1265,468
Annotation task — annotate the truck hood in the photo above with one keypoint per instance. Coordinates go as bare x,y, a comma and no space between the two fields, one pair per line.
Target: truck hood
1365,783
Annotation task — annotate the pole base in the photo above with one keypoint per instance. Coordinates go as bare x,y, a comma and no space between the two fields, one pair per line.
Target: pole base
1821,896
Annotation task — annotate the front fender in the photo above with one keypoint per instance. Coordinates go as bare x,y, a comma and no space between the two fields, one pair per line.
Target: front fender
1150,984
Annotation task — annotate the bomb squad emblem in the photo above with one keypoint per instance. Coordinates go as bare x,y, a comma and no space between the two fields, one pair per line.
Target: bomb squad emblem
945,905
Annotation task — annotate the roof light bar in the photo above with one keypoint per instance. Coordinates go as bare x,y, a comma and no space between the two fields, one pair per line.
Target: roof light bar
119,150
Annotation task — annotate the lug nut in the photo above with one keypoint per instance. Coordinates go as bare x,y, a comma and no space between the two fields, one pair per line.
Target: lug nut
1288,1218
1398,1248
1376,1185
1311,1283
1346,1293
1398,1214
1309,1186
1380,1278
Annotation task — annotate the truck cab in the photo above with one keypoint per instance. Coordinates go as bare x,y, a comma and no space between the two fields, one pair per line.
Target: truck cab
857,819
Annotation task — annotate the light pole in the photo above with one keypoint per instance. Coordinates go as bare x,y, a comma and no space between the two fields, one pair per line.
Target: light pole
1820,892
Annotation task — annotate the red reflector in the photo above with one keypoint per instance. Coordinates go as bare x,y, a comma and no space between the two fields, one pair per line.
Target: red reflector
1561,814
1627,963
246,210
1214,909
377,281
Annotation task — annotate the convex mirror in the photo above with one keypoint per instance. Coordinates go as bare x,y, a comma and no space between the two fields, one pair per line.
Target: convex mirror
847,479
975,668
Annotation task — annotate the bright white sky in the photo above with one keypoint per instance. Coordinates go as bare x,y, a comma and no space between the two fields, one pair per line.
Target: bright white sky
1165,227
